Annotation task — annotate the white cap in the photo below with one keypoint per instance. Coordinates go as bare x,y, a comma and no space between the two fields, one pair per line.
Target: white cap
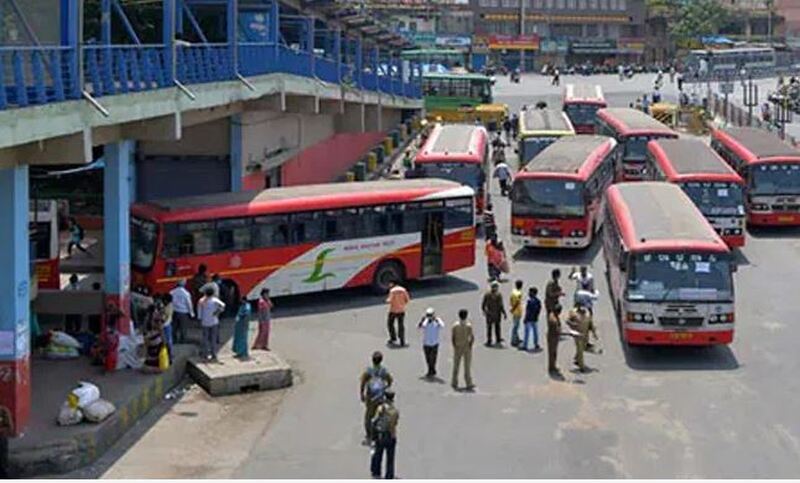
429,311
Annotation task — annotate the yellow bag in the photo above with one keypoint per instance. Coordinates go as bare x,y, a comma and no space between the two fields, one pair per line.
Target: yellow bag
163,358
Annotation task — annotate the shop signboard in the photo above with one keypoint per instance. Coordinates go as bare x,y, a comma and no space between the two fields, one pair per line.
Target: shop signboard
631,45
453,41
551,46
593,46
513,42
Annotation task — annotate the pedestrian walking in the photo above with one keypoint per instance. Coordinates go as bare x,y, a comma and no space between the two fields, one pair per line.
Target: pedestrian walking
621,72
515,307
502,171
76,236
375,380
489,226
553,291
507,128
679,80
264,321
584,280
495,259
672,74
397,299
532,310
183,310
556,77
656,95
73,322
494,311
241,329
463,339
514,126
553,337
385,429
580,320
209,308
645,104
431,327
766,113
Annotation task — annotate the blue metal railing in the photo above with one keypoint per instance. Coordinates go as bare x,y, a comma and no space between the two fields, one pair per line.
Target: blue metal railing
45,74
37,75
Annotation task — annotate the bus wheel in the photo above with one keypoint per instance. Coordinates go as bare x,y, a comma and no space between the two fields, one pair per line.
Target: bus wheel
387,272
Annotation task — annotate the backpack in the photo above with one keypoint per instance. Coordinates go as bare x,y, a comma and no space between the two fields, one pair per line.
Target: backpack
376,384
380,424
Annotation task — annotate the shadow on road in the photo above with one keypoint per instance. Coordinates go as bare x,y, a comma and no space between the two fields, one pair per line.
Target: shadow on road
740,258
363,297
666,358
564,256
774,232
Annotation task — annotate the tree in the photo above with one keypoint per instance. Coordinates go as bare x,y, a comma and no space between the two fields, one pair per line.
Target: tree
697,18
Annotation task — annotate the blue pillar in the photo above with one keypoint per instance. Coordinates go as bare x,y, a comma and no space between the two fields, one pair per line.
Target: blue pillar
310,41
70,37
337,53
237,167
168,8
359,63
15,293
233,34
275,26
179,17
116,227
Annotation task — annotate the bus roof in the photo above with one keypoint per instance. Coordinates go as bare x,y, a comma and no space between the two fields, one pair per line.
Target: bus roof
633,122
654,216
585,94
572,157
467,76
297,199
454,143
756,145
545,122
684,160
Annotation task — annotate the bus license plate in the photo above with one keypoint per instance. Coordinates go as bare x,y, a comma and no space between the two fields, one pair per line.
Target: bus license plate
681,336
786,219
547,243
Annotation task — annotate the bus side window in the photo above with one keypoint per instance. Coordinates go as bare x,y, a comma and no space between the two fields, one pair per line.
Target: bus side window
458,213
233,234
172,245
270,231
307,227
196,238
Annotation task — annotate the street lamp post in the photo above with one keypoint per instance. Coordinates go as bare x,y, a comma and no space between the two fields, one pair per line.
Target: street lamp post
750,98
783,115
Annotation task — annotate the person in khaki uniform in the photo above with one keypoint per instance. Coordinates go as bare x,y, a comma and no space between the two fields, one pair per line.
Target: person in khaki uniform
579,319
553,336
463,340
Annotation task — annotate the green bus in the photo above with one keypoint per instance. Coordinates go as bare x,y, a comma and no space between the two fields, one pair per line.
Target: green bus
454,97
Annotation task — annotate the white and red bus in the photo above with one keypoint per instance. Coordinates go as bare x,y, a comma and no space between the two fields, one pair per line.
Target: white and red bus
581,103
771,170
457,152
670,274
632,129
713,186
305,239
556,198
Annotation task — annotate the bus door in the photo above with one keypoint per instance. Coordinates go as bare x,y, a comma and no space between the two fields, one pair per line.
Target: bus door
432,243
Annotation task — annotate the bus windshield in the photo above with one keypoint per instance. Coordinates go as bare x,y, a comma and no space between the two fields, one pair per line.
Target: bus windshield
143,243
716,199
636,148
548,198
775,179
532,146
659,277
469,174
581,114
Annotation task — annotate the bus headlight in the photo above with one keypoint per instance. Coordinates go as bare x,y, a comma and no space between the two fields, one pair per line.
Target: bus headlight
577,234
759,207
721,318
640,318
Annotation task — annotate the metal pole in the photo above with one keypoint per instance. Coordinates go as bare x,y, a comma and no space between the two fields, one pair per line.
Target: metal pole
521,33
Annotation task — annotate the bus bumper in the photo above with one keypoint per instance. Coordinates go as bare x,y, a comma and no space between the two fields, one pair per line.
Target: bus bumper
542,242
686,338
773,219
734,241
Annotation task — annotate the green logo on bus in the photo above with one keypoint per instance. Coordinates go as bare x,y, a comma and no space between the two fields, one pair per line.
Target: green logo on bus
319,265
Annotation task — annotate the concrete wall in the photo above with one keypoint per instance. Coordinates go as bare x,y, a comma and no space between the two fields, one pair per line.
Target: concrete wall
208,139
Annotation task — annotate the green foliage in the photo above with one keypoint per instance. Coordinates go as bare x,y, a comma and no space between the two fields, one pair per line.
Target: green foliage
696,18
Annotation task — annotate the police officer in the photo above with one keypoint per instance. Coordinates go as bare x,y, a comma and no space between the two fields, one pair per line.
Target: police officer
463,339
580,320
553,337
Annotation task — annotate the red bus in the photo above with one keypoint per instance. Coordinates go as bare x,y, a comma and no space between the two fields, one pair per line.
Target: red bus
711,184
771,170
457,152
581,103
670,274
632,129
555,199
306,238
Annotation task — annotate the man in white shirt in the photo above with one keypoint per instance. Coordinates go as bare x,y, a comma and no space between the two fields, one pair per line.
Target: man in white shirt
502,171
584,286
209,308
183,310
431,327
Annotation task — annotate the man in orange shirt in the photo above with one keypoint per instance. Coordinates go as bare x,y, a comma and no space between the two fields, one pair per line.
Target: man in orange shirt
398,299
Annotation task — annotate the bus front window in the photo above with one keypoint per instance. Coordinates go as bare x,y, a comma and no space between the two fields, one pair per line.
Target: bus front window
716,199
636,148
680,277
548,199
144,235
467,174
775,179
581,114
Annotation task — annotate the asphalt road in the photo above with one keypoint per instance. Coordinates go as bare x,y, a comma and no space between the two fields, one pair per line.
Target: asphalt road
724,412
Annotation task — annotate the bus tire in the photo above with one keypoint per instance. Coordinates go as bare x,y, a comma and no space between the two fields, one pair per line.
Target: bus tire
388,271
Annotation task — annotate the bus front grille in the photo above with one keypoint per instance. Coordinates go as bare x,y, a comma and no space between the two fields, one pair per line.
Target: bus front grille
681,321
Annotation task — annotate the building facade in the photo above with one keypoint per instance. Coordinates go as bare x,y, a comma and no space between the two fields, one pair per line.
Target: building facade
560,31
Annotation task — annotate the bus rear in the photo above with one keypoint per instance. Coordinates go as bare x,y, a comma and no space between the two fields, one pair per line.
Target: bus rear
771,170
670,275
713,186
555,200
581,103
538,129
457,152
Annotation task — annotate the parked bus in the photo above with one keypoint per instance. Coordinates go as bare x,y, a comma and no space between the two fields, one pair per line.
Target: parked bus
670,274
556,198
539,128
713,186
45,244
729,62
581,103
771,170
457,152
306,238
454,97
632,129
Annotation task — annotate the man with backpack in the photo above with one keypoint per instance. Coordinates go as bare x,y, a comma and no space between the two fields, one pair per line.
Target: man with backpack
385,436
76,236
375,380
